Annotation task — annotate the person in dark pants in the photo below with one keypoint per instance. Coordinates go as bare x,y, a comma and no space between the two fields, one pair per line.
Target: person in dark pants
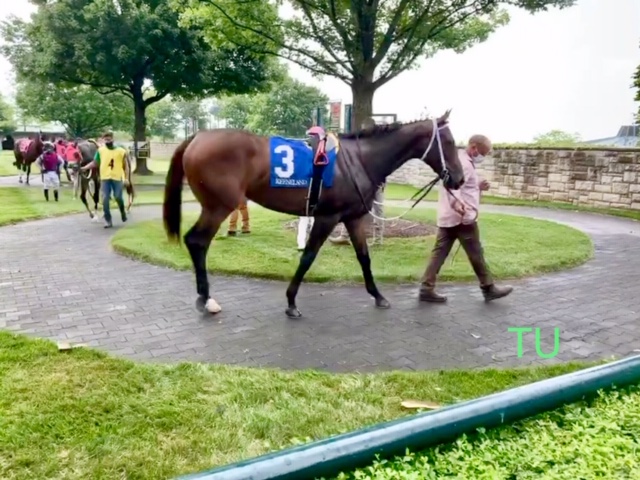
457,220
115,174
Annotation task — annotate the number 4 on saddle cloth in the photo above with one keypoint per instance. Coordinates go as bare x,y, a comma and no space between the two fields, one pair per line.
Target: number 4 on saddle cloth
296,164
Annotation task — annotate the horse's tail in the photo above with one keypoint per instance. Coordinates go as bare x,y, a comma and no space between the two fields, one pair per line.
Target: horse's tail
171,208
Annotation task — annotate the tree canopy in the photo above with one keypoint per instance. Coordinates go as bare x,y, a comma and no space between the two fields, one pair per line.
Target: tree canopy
7,117
364,43
127,46
557,138
80,109
163,119
286,109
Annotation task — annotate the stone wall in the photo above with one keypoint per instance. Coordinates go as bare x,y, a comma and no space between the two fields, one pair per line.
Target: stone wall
163,149
585,176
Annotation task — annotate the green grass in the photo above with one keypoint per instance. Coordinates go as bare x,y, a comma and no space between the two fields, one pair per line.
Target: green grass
85,415
19,204
159,168
6,165
594,439
514,247
395,191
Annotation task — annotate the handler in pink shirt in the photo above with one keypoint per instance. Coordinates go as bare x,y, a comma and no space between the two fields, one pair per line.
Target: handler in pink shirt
457,220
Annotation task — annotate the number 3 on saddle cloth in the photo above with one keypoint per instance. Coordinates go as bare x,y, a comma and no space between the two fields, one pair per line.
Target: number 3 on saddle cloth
295,164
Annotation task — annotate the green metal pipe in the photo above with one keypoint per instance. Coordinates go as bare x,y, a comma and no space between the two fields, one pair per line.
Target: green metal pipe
327,458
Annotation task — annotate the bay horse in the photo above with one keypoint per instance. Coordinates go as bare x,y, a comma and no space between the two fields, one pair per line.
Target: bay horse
222,166
88,149
26,151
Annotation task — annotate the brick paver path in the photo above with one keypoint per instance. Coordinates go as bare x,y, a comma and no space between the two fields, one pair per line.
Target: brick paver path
60,280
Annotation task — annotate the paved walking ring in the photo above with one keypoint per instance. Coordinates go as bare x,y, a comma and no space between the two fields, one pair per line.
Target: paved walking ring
60,280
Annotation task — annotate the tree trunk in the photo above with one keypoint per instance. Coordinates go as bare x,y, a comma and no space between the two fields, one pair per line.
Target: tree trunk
140,134
362,92
361,117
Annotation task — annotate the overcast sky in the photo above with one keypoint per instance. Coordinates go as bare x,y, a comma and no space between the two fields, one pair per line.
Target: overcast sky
568,70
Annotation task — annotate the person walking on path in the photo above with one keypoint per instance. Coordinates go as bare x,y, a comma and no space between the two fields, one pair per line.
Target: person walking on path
50,164
457,220
113,163
243,209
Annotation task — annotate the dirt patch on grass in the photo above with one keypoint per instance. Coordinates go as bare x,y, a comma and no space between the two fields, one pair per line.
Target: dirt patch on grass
392,229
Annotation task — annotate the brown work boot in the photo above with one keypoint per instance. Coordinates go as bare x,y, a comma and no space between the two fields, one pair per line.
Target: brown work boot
428,294
491,292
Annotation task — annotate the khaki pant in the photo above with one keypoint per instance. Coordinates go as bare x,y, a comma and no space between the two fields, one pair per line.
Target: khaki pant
244,213
469,238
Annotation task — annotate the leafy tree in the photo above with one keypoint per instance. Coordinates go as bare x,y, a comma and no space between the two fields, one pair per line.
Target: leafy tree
192,114
286,109
80,109
163,119
236,110
7,117
125,46
364,43
557,138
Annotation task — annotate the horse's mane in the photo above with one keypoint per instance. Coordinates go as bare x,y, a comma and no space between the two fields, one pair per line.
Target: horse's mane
377,130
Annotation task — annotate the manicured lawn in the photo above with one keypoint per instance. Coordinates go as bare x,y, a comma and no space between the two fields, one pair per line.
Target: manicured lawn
404,192
6,165
159,168
598,439
85,415
18,204
514,246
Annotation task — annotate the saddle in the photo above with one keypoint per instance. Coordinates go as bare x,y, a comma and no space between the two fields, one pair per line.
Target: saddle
321,143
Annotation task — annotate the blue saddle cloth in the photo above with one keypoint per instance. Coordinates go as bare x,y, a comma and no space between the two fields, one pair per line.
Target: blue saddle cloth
291,163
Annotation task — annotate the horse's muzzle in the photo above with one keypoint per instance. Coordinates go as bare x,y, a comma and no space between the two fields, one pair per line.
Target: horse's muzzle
451,183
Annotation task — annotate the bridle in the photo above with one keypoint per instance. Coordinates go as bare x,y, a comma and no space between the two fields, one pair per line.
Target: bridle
444,175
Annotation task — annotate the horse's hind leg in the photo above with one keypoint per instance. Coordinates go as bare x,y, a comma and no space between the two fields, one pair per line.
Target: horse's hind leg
198,240
322,228
358,234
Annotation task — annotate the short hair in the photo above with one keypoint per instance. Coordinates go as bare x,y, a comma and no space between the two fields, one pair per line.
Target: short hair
108,133
481,140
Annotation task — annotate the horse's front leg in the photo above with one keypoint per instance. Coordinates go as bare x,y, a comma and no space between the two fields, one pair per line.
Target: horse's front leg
358,234
322,228
65,167
83,199
96,193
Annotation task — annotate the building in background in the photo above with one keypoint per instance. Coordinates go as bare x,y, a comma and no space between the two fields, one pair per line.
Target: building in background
628,136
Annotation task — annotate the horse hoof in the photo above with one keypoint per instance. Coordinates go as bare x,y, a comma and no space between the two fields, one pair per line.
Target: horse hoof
382,303
293,312
212,306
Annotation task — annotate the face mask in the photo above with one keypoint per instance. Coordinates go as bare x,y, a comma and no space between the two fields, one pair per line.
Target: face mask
109,144
478,159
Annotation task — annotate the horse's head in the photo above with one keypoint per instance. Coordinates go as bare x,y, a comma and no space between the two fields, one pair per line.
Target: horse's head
387,147
437,148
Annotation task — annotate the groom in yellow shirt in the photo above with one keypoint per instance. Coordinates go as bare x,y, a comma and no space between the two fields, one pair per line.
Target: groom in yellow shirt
113,163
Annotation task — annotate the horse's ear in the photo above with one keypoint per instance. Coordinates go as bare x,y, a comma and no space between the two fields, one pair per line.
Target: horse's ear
444,118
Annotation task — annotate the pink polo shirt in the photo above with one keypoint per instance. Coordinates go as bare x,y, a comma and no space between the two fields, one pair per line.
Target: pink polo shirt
469,193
